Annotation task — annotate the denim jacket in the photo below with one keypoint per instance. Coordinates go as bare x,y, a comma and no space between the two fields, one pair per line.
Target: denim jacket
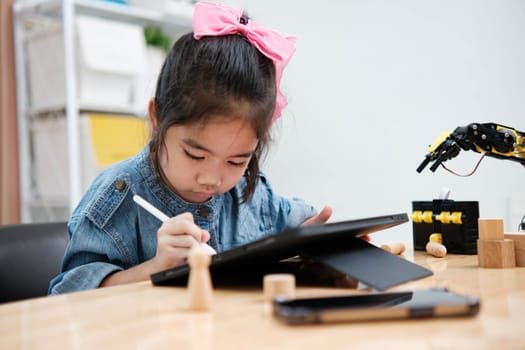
109,232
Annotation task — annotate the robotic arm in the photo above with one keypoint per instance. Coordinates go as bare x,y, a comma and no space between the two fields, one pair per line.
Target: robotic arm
491,139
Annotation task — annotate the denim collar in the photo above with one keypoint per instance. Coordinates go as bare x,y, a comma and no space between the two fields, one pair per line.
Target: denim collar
202,212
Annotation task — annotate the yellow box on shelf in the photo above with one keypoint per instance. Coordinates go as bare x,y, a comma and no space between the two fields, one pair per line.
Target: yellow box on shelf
116,137
104,139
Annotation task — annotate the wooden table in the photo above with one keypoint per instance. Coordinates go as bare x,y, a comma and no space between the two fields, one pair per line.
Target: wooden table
141,316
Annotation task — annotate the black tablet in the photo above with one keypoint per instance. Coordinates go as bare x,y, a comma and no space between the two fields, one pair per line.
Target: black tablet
317,242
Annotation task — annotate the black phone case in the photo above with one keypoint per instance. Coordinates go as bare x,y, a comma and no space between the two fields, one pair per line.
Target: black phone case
376,306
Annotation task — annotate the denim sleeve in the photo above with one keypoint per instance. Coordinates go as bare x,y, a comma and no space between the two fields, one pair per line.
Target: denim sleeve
96,247
299,212
286,212
87,258
88,276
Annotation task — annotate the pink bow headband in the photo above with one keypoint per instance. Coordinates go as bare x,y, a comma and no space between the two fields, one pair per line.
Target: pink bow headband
210,19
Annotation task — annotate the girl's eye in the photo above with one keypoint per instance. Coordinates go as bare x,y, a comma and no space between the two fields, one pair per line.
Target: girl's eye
237,164
191,156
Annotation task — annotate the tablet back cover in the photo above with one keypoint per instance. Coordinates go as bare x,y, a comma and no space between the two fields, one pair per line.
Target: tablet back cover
367,263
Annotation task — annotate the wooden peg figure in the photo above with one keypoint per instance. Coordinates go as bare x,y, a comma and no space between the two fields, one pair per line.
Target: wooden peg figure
200,287
396,248
435,246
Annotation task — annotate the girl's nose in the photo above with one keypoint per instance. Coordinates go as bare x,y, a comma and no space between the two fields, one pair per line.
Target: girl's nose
209,178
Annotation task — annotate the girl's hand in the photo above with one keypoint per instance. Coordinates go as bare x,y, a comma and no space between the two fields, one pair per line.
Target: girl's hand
320,218
323,217
175,238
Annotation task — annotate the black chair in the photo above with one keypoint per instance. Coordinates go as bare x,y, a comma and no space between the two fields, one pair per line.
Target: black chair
30,256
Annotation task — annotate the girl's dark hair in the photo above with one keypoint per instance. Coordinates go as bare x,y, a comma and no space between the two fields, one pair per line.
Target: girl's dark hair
223,75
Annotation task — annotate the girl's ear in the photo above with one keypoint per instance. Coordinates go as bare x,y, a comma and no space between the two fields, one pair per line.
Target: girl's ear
152,114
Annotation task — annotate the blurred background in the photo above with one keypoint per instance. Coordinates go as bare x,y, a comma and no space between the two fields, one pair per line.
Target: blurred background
371,86
374,83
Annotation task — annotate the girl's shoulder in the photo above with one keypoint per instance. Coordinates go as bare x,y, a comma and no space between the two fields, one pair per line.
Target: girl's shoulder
109,190
284,211
263,190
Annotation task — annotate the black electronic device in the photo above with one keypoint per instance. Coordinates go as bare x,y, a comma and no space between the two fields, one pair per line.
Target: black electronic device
335,245
491,139
456,221
376,306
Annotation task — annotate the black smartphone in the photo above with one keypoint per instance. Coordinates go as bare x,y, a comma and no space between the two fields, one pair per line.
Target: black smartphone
376,306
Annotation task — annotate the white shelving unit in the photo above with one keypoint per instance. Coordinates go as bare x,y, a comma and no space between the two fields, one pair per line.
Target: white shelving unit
66,11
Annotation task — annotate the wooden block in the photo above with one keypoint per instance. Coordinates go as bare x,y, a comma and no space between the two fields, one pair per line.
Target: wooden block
518,238
395,248
436,249
490,229
520,257
496,253
519,246
278,284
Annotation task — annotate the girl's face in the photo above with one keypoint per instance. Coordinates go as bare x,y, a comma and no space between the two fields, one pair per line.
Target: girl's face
202,160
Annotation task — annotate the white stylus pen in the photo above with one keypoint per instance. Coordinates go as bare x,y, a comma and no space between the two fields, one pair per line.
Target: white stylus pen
163,217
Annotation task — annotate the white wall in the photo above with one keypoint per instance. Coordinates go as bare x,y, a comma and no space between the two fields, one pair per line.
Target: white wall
374,82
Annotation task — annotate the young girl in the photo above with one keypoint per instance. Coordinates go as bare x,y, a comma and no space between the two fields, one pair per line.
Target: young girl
216,98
